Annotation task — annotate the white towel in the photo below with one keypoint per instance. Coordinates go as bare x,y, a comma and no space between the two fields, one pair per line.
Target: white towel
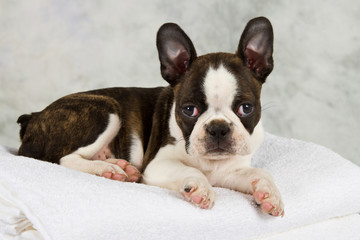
339,228
316,184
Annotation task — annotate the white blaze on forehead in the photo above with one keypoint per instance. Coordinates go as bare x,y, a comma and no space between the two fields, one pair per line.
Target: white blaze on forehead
220,88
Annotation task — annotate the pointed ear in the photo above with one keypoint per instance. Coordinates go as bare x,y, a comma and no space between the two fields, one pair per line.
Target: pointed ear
256,47
176,52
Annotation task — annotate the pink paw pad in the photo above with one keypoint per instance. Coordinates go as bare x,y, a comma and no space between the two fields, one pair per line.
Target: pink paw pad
201,201
267,207
263,199
131,173
115,176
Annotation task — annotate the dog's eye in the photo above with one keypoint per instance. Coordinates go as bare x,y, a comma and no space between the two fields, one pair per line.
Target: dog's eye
245,109
190,111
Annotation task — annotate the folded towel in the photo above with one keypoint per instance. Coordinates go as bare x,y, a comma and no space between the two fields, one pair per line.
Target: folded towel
316,184
13,222
339,228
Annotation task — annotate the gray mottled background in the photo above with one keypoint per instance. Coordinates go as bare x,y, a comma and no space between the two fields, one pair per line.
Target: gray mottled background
52,48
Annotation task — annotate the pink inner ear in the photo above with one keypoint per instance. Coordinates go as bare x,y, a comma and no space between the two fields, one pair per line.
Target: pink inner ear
255,60
178,56
181,61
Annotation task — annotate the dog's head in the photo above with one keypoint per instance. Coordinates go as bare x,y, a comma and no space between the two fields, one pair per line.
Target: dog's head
217,95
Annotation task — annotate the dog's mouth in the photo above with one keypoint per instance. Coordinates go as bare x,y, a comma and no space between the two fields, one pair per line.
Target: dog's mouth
214,151
218,147
217,154
224,151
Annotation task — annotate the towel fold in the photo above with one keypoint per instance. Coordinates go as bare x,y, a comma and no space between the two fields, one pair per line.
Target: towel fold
12,219
13,222
316,184
339,228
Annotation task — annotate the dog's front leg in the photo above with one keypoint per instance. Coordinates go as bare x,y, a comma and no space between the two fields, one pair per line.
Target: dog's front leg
168,172
257,182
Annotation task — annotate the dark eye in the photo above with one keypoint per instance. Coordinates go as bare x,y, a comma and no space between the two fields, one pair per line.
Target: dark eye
245,109
190,111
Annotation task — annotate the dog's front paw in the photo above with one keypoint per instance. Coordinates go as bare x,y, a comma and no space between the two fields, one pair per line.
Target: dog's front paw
126,173
107,169
199,192
268,197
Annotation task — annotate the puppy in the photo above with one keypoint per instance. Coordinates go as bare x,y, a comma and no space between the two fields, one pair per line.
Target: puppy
200,131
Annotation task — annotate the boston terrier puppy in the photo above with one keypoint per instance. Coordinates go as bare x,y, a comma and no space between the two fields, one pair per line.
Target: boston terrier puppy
200,131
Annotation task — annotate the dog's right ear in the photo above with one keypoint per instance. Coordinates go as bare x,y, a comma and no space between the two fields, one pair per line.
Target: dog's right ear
176,52
256,47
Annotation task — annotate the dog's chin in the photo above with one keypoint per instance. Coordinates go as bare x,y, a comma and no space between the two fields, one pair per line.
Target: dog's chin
219,154
213,154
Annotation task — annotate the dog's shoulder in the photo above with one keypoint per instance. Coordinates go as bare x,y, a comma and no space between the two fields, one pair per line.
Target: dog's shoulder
160,133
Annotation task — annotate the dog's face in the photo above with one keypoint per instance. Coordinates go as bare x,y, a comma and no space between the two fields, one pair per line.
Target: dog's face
217,95
217,106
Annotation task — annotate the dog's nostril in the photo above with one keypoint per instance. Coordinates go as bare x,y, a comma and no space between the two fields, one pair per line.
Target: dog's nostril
218,130
224,132
212,133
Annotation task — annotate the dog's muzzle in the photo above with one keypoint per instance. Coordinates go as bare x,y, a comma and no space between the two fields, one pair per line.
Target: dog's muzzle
218,138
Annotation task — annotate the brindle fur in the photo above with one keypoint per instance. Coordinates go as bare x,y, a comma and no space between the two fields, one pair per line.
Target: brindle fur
77,120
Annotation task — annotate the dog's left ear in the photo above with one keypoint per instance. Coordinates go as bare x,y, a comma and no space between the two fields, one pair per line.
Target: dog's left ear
176,52
256,47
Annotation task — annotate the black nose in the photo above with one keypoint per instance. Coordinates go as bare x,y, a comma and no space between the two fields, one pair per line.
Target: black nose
218,129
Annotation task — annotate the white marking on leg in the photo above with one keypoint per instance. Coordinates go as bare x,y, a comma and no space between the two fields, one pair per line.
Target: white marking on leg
104,139
81,158
96,167
136,152
167,171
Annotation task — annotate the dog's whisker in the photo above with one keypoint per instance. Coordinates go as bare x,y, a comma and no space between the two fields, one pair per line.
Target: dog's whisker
268,106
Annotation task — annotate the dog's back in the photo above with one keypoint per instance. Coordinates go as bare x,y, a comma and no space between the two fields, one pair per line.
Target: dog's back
77,120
